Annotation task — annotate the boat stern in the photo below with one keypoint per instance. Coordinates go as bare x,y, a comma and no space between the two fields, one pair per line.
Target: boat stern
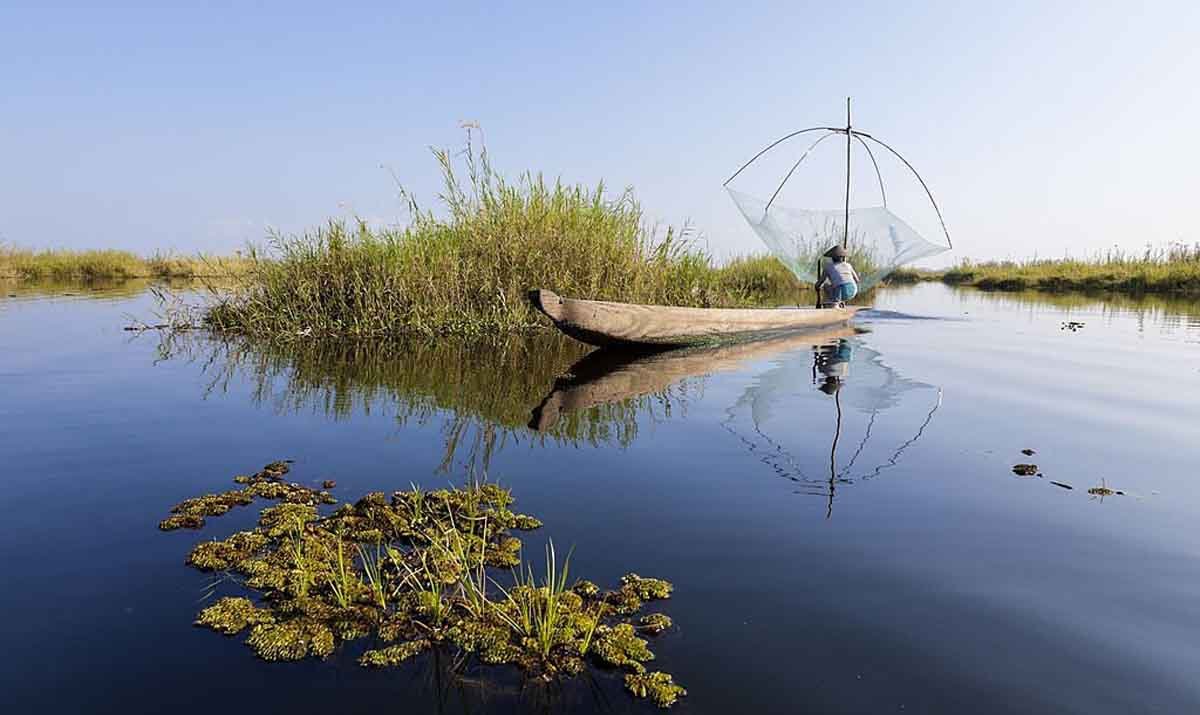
548,302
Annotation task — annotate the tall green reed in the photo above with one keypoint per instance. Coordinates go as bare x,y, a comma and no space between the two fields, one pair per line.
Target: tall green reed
466,269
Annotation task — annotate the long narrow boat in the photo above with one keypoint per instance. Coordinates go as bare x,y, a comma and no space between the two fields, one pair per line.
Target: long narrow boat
602,323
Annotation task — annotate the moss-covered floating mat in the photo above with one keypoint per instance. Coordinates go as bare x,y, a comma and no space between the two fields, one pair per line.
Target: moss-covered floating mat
413,572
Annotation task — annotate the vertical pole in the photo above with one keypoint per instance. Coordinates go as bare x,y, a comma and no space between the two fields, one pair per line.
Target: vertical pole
837,400
849,136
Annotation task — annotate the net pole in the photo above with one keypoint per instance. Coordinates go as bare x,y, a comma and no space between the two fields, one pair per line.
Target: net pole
849,135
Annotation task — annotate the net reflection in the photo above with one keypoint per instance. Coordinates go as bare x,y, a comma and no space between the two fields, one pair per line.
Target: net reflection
797,415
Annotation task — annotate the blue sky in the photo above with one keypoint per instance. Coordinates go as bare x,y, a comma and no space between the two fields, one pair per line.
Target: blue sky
1041,127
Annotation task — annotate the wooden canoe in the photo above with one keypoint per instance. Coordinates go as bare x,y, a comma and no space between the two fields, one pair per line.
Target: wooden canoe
602,323
613,375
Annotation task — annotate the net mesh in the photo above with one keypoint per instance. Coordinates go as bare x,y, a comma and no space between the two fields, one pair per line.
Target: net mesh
878,242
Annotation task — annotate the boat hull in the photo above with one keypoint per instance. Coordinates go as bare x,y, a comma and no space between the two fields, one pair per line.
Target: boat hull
604,323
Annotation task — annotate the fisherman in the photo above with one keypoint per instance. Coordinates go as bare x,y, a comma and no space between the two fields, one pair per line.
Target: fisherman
839,281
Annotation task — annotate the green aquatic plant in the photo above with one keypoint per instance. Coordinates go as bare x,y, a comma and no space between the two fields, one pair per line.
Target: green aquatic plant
265,484
300,562
654,623
291,640
620,647
344,581
538,612
426,587
182,521
465,552
392,655
233,615
589,621
190,513
225,554
659,687
376,580
412,571
635,591
586,588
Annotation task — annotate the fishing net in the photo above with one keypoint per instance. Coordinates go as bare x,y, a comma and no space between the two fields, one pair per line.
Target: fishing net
877,239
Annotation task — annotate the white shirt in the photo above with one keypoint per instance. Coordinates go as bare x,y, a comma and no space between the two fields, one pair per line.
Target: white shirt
839,273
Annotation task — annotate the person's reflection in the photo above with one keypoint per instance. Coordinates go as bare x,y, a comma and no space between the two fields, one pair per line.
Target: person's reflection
833,362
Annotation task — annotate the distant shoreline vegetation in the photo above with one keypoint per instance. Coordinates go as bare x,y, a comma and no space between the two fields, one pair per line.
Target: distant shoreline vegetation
1173,269
66,265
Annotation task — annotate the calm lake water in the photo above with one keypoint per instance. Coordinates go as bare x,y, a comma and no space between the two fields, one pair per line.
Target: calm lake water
865,547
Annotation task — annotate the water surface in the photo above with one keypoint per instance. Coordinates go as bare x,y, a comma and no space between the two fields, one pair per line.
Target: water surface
840,519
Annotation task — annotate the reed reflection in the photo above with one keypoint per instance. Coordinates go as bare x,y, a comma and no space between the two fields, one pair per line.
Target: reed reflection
477,393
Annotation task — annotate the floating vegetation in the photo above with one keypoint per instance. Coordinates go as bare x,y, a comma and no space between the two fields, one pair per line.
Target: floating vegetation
659,687
393,655
654,623
266,484
412,571
1025,470
620,647
233,615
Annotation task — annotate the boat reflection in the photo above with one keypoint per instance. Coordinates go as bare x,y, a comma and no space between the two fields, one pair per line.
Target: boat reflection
608,376
854,388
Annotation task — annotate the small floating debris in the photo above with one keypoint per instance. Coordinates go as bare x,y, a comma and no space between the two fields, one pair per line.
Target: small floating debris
1025,470
1060,484
1104,491
328,484
410,572
1028,452
1072,325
